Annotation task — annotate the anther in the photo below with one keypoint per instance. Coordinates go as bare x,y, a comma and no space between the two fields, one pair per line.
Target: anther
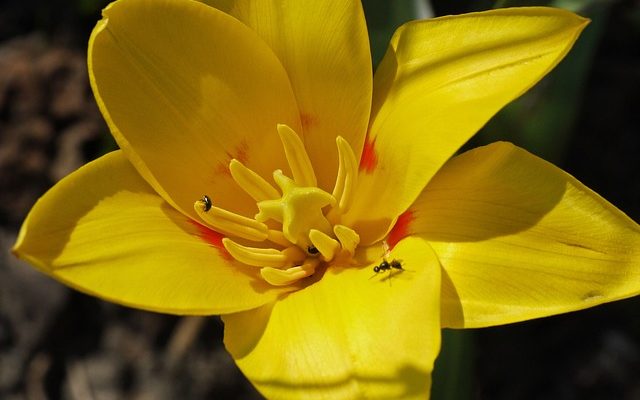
260,257
325,244
297,157
229,223
349,239
278,237
347,175
282,277
252,183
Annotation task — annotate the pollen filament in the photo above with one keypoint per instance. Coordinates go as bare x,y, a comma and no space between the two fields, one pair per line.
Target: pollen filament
308,218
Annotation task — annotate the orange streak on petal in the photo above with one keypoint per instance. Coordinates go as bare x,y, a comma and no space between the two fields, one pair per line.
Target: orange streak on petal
242,152
222,169
401,229
369,158
213,238
307,120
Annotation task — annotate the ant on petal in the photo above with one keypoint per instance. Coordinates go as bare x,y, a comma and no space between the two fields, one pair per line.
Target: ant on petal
387,265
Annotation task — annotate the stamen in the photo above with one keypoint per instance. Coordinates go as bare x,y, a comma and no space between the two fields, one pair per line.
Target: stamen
297,157
278,238
282,277
229,223
260,257
304,222
347,175
349,239
252,183
326,245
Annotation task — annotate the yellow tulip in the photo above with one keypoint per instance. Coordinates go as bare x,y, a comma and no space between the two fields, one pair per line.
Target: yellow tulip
266,175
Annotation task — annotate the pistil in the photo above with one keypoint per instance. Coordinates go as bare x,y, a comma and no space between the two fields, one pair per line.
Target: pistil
310,231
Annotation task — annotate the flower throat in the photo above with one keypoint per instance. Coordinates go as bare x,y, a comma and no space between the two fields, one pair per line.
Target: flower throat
309,218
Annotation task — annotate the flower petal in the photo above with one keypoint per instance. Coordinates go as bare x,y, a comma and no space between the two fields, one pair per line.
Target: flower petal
185,88
324,47
352,334
440,81
519,238
104,231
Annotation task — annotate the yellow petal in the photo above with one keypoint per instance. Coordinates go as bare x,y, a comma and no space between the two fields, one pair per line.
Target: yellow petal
519,238
440,81
185,88
104,231
352,334
324,47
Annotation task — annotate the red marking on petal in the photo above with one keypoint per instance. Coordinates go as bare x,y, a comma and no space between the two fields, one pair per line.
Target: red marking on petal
307,120
401,229
369,158
240,153
213,238
222,169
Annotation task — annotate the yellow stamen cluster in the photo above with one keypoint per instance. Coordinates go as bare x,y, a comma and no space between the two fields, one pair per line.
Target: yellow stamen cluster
310,232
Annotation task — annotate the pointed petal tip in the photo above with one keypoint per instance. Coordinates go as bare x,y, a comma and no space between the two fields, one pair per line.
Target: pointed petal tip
520,239
15,249
20,248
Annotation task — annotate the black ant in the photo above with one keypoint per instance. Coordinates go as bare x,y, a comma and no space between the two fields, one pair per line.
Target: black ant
394,266
387,266
390,266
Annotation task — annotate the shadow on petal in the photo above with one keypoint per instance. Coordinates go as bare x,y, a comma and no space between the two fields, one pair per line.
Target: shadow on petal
452,311
48,229
408,382
246,330
493,191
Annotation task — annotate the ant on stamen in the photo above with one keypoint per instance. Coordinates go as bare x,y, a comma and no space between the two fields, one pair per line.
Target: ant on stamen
207,203
312,250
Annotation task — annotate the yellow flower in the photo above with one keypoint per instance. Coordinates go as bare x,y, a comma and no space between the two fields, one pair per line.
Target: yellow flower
264,173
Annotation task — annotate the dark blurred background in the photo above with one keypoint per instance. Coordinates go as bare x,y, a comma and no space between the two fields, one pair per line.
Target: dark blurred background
59,344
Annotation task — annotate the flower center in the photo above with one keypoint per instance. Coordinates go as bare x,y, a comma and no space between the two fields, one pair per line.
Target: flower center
307,218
